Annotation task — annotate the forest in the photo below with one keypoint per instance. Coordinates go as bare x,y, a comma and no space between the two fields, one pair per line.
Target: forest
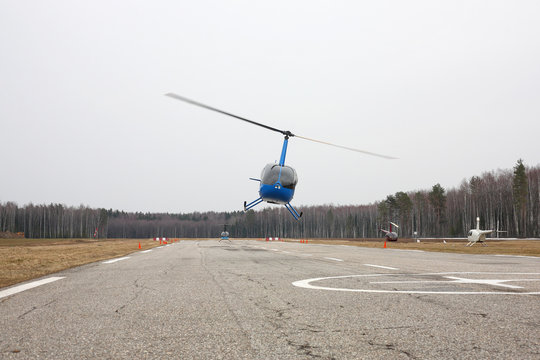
505,200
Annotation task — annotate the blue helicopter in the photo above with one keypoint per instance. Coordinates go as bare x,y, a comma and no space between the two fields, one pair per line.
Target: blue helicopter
278,181
224,233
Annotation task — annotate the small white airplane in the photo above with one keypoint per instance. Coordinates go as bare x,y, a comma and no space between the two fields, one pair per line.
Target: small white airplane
389,234
477,235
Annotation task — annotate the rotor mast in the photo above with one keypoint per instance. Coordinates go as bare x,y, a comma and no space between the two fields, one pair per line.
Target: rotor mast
284,151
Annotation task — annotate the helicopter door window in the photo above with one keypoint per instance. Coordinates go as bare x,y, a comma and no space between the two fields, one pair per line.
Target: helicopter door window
288,177
270,174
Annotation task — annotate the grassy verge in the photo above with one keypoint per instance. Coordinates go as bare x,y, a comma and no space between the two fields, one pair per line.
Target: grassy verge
513,247
25,259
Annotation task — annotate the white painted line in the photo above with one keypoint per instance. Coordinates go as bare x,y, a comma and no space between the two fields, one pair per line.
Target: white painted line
493,282
115,260
286,252
145,251
521,256
274,249
382,267
331,258
18,289
306,284
461,281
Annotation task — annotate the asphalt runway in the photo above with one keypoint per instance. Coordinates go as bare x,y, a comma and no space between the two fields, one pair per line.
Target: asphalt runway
248,299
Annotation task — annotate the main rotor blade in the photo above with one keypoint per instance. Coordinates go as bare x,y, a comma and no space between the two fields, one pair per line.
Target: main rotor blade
286,133
347,148
193,102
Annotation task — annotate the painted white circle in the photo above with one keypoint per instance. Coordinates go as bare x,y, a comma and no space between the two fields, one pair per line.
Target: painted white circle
453,279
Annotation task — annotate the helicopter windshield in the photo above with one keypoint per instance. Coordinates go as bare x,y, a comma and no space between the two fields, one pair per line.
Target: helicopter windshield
270,176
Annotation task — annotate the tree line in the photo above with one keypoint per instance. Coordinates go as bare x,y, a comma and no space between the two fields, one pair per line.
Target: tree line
505,200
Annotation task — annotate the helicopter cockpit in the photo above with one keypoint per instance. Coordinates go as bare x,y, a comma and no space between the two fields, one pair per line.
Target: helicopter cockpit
271,174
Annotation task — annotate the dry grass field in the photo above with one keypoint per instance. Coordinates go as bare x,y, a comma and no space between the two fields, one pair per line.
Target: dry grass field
25,259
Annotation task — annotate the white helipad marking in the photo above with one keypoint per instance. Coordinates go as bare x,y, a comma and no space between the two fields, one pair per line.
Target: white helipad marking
382,267
115,260
489,282
145,251
307,284
460,280
18,289
331,258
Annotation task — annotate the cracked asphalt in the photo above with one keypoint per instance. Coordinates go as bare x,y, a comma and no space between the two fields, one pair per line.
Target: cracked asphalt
236,300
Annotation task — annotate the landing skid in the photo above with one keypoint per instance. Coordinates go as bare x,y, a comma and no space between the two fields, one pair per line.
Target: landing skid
252,204
471,243
289,207
293,211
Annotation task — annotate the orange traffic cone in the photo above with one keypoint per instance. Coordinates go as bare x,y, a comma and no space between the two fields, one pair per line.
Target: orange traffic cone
385,244
139,244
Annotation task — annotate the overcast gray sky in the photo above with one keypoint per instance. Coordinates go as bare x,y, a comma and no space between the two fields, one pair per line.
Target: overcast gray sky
452,88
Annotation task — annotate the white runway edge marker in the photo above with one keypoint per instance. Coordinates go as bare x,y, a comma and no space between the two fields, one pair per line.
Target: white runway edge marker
145,251
331,258
18,289
382,267
115,260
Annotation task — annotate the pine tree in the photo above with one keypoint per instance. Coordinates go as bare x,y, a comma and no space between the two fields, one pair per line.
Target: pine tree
519,187
437,198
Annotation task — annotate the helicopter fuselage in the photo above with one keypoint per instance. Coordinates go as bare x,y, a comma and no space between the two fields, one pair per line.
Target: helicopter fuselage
277,183
390,235
476,235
